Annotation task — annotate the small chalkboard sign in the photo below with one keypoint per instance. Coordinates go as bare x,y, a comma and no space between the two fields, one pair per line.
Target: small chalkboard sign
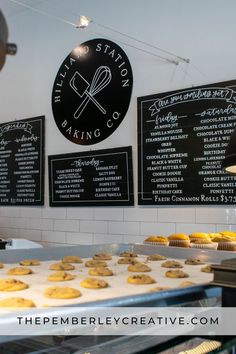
92,178
182,137
22,162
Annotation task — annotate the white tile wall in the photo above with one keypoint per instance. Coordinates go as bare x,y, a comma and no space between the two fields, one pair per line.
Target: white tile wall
185,215
94,226
109,214
66,225
79,238
123,227
60,226
157,228
140,214
222,215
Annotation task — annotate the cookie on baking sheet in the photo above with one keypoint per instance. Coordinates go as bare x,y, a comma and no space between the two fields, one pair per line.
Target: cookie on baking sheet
61,292
176,273
140,279
156,257
126,260
14,302
30,262
139,267
95,263
61,266
61,276
102,271
160,288
102,256
9,284
1,265
93,283
128,254
194,261
71,259
186,283
19,271
171,264
207,269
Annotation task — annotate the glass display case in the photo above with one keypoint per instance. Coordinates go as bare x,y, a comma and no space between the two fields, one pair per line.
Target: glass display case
200,295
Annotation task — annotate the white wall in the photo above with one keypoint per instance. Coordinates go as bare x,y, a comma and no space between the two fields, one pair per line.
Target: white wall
202,31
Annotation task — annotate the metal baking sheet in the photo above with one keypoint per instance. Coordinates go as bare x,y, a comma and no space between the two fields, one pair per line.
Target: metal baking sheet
170,297
173,297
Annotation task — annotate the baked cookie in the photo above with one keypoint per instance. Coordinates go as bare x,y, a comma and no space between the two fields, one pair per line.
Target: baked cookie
12,285
194,261
140,279
16,302
93,283
126,260
61,266
176,274
95,263
171,264
71,259
61,276
102,271
128,254
1,265
30,262
186,283
138,267
159,288
63,292
102,256
19,271
156,257
207,269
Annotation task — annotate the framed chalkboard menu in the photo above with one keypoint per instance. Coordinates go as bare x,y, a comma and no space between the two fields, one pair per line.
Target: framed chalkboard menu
92,178
22,162
182,137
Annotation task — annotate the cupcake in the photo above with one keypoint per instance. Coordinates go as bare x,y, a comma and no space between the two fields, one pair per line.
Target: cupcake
228,233
204,243
213,235
225,243
179,240
157,240
198,236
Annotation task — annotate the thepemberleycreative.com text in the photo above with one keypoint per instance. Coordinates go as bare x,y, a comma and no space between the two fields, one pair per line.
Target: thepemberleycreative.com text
118,321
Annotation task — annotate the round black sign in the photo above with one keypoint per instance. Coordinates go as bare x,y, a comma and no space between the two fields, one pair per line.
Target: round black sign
92,91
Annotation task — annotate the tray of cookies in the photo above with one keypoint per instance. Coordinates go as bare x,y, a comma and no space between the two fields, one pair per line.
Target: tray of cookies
109,274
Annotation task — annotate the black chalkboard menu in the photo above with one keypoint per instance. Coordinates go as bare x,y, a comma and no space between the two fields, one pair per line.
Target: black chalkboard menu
182,137
92,178
22,162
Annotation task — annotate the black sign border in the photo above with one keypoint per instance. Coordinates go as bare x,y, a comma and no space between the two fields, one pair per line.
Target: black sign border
41,157
130,188
141,178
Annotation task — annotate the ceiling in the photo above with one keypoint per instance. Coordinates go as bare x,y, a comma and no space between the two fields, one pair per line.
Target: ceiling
13,7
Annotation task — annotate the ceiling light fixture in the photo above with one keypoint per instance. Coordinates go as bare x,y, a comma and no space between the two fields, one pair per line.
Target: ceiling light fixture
83,22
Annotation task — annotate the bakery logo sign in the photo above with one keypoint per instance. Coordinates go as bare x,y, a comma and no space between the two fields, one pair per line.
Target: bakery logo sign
92,91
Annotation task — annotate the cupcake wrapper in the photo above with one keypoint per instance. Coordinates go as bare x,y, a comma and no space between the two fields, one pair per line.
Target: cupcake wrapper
204,246
199,239
227,246
179,243
157,243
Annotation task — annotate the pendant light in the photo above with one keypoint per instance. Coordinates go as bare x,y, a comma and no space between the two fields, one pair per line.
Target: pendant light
5,48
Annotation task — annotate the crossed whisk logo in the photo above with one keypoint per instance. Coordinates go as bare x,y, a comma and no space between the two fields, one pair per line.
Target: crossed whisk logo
87,91
91,92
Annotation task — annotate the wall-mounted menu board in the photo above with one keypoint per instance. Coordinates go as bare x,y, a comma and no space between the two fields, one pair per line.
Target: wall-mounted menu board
92,178
22,162
182,137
